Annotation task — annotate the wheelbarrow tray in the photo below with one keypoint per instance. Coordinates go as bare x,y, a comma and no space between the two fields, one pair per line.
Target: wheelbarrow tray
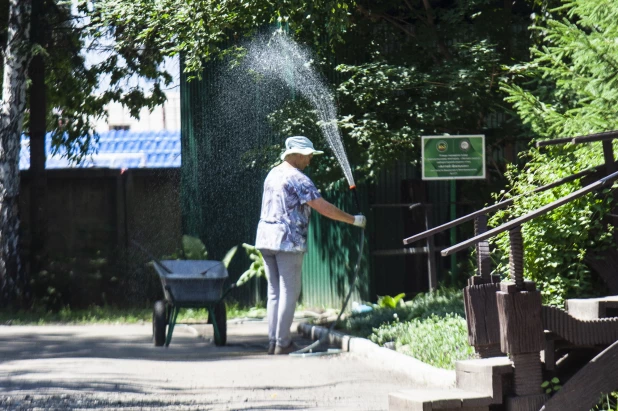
192,283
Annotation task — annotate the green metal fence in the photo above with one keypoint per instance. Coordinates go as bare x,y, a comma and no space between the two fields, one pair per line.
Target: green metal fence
332,254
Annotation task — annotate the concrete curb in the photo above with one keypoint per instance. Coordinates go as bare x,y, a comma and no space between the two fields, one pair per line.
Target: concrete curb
419,372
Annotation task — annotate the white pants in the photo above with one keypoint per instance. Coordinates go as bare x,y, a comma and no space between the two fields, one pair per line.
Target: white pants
284,281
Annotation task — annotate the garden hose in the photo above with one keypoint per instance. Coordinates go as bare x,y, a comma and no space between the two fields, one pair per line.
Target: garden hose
309,348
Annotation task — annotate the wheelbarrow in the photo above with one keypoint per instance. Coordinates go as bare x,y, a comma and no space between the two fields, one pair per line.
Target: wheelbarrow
190,284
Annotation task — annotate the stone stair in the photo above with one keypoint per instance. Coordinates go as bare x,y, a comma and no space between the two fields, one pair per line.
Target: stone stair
479,384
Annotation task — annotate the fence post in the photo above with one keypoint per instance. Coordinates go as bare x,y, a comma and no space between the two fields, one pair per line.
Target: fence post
483,258
480,300
516,257
431,256
608,155
521,330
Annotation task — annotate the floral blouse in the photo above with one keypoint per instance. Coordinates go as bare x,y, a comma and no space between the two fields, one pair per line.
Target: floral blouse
285,213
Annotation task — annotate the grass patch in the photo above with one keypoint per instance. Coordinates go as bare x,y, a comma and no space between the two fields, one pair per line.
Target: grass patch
233,310
439,302
431,327
438,341
91,315
114,315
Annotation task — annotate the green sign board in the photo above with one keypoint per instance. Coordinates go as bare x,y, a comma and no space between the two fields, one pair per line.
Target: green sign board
453,157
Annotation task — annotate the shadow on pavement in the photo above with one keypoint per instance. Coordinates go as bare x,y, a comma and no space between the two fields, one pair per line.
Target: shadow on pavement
189,343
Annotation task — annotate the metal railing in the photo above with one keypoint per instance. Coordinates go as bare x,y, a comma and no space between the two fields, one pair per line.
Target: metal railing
514,228
539,211
500,205
480,225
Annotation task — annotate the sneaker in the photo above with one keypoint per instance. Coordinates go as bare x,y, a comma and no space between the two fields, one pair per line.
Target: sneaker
271,348
286,350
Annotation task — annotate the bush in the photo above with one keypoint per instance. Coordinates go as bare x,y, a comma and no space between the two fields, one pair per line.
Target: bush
90,278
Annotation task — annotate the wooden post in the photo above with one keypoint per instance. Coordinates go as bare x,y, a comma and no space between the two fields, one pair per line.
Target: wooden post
431,256
521,331
483,260
482,316
480,301
516,257
608,155
122,242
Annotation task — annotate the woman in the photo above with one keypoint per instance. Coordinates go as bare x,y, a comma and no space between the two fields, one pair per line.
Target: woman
289,195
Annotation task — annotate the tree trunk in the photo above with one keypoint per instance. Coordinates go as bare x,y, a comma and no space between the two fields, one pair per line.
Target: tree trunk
431,23
16,56
38,128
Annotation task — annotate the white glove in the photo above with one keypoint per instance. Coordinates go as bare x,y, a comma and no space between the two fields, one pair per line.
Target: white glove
360,221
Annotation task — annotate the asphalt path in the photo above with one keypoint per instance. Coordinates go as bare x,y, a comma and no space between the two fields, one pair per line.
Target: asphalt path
116,367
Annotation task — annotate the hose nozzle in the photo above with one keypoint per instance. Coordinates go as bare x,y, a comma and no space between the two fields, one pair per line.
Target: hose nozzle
353,188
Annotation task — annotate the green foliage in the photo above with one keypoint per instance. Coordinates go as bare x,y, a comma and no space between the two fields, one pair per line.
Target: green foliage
568,89
227,258
387,301
608,402
78,281
93,314
439,302
193,248
78,91
436,340
430,327
400,69
395,103
256,269
551,386
202,30
107,314
408,70
556,244
572,81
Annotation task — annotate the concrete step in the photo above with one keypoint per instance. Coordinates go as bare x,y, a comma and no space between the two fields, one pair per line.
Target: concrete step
479,384
593,308
488,376
444,400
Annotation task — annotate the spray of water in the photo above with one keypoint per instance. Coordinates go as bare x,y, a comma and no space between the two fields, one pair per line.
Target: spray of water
279,57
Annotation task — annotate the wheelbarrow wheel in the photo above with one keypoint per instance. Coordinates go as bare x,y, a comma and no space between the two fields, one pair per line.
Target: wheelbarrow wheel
159,321
221,323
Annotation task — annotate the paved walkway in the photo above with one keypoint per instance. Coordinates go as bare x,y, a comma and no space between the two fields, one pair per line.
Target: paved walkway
117,367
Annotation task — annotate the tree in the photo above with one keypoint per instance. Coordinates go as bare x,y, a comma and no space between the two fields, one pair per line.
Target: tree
15,65
433,67
404,68
568,89
205,30
67,94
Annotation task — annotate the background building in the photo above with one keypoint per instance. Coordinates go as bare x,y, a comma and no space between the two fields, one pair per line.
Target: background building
164,117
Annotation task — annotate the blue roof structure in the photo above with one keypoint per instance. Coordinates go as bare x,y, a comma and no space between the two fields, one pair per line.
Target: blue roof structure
118,149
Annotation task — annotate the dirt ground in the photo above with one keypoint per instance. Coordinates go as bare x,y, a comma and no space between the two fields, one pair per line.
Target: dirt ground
116,367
